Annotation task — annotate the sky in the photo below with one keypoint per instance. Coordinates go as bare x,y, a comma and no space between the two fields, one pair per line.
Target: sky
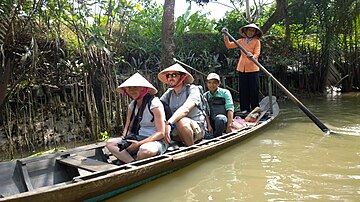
217,10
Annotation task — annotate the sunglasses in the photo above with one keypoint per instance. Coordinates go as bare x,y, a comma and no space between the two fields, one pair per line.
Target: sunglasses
172,75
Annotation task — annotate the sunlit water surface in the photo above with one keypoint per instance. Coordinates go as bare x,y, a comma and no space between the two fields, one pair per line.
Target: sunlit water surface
291,160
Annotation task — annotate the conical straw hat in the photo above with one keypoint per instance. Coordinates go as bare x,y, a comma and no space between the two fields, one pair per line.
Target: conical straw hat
175,68
137,80
258,32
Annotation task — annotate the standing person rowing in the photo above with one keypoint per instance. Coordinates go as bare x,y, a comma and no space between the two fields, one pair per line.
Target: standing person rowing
248,71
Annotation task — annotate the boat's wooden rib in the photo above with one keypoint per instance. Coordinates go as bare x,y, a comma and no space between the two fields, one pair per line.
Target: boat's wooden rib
84,173
85,163
24,175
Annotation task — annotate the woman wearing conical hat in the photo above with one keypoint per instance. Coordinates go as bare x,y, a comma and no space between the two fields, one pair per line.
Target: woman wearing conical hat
144,132
248,71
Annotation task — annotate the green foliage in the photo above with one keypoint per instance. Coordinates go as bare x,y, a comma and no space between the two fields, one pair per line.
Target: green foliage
104,136
146,22
194,34
145,32
331,20
195,22
232,21
48,151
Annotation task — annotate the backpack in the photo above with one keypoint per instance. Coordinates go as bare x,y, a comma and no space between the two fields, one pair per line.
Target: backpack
204,107
138,117
168,112
147,99
216,105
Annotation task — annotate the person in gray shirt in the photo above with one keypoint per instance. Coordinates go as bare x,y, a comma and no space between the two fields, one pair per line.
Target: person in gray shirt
187,123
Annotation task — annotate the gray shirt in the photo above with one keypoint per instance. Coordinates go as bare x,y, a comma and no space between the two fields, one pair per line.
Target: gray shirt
175,101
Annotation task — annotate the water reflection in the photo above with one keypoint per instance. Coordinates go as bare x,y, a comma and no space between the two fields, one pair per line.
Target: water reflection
291,160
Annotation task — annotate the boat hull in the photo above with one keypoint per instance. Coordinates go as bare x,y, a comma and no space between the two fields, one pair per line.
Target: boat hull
67,183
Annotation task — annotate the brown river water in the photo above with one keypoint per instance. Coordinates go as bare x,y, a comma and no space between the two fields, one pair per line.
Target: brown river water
290,160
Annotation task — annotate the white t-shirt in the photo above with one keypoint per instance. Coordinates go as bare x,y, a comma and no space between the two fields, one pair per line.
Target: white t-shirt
147,128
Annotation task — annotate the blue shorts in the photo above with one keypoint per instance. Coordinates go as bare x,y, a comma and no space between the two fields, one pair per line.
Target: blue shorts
160,144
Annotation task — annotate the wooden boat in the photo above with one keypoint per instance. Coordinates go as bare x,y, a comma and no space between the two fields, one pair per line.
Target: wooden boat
84,173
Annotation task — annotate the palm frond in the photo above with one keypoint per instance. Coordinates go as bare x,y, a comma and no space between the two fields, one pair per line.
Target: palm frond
5,11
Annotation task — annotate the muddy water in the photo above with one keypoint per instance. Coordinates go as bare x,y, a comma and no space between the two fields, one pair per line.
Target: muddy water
291,160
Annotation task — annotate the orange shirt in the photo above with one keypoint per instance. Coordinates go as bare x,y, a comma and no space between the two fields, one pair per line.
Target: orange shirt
245,64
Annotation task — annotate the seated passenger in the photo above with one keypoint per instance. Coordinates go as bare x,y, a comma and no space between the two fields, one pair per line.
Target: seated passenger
221,107
142,136
188,120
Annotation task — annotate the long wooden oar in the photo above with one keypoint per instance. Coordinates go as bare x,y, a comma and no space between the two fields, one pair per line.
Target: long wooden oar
192,68
292,97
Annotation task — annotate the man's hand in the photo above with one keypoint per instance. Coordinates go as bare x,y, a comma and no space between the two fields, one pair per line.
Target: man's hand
167,133
210,129
228,129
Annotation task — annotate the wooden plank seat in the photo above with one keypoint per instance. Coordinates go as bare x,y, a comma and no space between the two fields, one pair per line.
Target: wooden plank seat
85,163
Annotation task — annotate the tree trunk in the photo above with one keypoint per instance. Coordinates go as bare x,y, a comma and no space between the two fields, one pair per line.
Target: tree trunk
287,27
278,15
167,33
248,18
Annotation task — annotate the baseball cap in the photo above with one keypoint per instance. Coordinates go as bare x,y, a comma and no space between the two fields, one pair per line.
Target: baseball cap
213,76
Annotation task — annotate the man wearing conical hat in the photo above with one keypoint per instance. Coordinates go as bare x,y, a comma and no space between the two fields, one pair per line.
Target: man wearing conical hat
248,71
188,120
142,137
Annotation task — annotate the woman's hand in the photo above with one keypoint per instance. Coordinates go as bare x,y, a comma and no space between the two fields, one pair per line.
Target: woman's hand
226,37
134,145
